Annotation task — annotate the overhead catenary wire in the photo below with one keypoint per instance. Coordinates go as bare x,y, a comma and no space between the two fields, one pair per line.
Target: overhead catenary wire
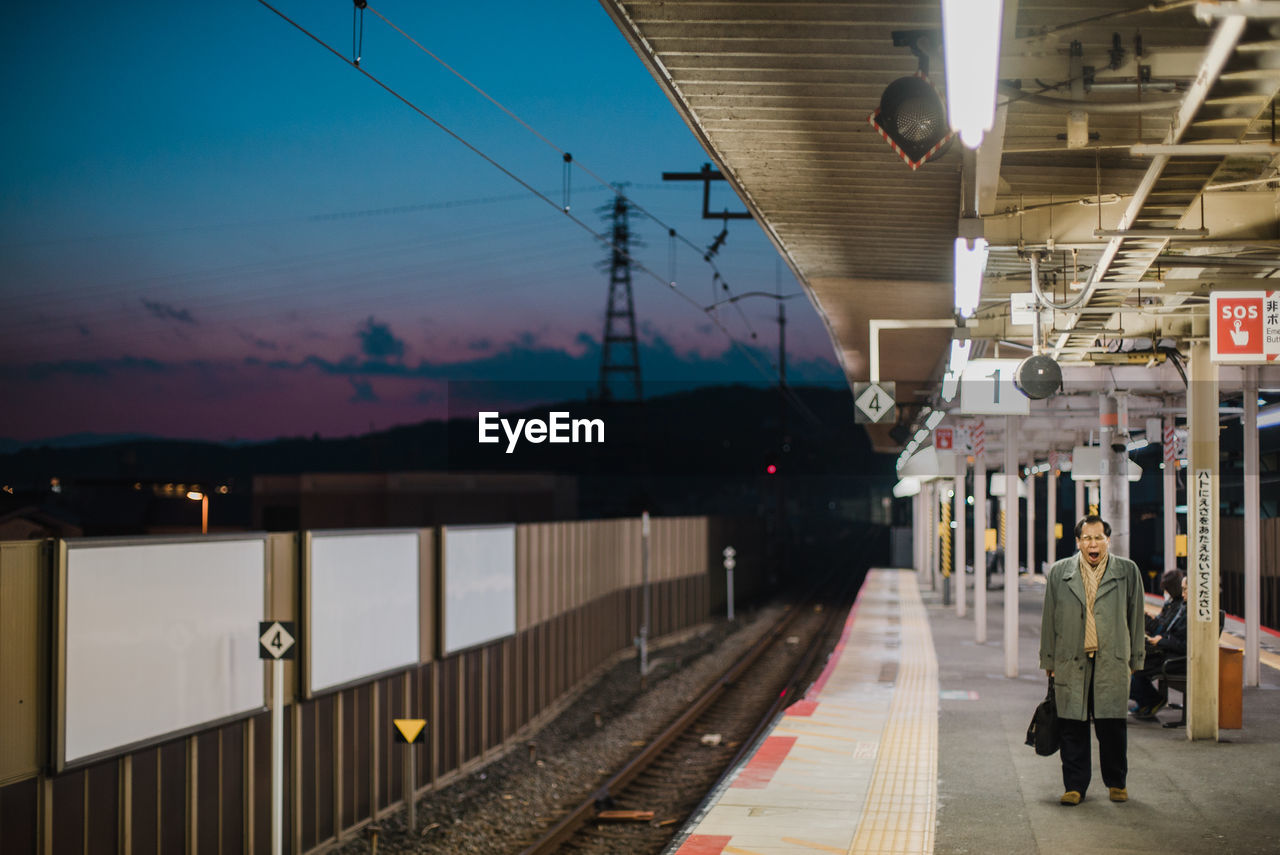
747,352
568,158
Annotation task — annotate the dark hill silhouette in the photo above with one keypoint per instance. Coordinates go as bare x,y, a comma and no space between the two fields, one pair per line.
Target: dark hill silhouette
699,451
713,431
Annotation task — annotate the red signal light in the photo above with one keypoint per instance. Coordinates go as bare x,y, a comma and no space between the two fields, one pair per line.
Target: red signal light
771,469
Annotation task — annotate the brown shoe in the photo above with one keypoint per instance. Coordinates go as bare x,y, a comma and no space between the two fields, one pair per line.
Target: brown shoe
1118,794
1071,797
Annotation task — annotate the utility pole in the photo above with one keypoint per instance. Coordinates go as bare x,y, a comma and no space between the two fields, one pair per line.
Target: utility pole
784,438
620,359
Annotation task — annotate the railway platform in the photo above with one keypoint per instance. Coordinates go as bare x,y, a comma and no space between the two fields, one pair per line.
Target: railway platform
912,741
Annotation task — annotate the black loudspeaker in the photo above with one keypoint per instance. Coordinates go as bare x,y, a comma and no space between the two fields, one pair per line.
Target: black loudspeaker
913,120
1038,377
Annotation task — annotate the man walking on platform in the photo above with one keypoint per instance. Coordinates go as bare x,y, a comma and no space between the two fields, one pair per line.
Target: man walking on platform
1091,642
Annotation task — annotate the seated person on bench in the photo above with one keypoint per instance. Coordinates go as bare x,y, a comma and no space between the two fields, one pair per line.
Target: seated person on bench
1171,585
1166,636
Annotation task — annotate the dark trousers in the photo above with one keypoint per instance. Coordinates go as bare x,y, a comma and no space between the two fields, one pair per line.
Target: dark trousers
1141,686
1112,747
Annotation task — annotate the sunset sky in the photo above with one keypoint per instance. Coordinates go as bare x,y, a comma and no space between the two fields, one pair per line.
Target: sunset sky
213,227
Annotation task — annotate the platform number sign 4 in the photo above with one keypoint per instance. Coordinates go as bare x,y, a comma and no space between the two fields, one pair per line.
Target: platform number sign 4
874,403
276,640
986,388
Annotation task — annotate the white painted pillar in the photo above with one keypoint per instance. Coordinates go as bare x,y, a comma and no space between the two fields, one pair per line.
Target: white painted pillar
1011,546
1114,484
1252,543
980,526
920,524
1081,507
1170,495
1203,551
961,546
931,533
1031,522
1051,513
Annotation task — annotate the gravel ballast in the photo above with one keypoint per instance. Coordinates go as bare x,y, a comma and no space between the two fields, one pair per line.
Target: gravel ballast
505,805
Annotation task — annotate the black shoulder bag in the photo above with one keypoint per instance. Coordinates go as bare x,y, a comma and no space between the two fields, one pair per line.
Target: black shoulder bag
1043,732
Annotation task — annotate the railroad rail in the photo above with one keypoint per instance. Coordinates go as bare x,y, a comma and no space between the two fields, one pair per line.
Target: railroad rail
640,807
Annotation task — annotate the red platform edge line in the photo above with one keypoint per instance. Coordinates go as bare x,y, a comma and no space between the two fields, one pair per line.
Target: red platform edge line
764,763
704,844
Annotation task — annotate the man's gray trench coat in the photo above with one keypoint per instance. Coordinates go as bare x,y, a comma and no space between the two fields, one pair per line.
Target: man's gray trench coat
1117,613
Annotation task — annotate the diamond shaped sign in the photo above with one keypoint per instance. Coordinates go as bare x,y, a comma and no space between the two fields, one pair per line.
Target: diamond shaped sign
275,640
874,403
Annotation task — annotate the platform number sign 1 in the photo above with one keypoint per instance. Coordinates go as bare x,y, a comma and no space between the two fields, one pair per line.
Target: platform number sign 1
276,639
874,403
987,388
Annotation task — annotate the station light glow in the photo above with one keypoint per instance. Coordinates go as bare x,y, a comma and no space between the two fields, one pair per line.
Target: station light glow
971,43
970,261
956,362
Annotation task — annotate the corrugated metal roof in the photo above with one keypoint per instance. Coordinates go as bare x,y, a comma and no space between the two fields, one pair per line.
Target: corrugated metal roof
779,94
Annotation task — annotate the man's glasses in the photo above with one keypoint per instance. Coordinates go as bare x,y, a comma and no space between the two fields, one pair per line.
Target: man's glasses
1092,538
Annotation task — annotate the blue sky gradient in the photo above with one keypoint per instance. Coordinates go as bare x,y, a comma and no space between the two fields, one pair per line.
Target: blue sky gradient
211,227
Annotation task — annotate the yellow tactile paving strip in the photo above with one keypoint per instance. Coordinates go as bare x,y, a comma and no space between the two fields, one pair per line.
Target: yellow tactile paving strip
901,803
861,773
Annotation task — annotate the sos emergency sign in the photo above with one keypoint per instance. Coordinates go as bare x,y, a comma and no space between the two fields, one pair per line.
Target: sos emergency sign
1245,326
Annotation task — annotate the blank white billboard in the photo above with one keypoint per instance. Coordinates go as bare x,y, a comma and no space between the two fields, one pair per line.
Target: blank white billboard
363,591
158,638
479,585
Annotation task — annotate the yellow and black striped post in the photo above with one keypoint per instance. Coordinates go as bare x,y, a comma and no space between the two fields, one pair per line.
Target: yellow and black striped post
944,530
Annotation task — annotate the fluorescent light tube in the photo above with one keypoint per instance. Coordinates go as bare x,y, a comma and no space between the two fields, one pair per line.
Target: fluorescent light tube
971,41
970,262
934,417
956,362
950,385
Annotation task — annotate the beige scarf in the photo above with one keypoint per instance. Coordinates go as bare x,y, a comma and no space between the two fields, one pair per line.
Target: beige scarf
1092,576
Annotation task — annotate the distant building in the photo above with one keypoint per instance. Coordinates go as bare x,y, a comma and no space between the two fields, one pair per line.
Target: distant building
409,499
32,523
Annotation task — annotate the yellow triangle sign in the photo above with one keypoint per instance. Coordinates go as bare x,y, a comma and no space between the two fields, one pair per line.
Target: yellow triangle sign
409,729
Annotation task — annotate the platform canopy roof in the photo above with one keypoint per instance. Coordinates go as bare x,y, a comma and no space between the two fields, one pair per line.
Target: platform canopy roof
1162,201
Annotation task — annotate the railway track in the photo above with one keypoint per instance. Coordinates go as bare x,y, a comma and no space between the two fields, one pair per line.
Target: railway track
643,804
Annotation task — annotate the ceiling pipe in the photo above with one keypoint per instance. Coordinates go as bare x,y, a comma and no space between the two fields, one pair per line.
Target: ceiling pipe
1042,300
1241,149
1013,93
1220,48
